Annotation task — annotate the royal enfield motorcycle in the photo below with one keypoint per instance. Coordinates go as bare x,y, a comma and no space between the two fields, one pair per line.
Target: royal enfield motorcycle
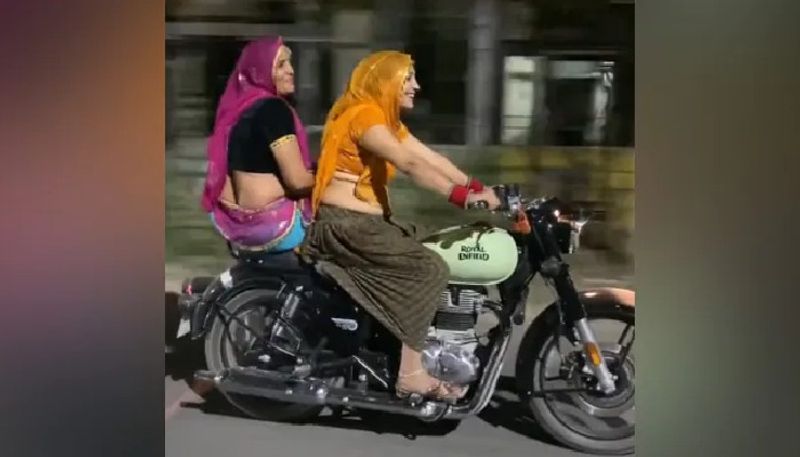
282,341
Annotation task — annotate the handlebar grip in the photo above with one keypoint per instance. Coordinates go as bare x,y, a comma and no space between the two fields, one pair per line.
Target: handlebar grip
480,204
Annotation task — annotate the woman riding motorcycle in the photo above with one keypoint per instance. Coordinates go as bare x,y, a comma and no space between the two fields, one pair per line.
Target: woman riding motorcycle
376,259
258,180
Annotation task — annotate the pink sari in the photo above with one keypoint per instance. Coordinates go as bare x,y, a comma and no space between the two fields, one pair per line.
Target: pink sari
250,82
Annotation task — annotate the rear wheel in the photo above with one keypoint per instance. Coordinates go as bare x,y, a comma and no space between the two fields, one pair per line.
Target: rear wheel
244,320
588,421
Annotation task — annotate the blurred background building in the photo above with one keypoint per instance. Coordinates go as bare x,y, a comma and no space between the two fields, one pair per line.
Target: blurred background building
518,72
532,91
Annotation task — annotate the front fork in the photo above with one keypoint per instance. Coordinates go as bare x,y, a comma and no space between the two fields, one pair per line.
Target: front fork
575,313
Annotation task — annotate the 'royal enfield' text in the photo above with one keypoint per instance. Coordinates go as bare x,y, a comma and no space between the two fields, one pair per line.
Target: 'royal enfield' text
473,253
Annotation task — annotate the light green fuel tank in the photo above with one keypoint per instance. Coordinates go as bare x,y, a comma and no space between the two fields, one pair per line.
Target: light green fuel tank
476,254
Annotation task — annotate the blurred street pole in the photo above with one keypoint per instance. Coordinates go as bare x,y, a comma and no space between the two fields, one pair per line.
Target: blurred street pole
352,26
308,63
394,15
483,53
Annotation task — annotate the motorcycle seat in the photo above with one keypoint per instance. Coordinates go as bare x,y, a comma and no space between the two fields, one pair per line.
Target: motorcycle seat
287,262
284,263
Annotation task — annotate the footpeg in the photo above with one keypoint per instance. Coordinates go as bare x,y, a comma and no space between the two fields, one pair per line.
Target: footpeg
206,375
415,399
302,371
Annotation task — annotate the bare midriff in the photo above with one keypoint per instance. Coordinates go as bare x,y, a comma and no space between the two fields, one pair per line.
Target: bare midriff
341,192
255,191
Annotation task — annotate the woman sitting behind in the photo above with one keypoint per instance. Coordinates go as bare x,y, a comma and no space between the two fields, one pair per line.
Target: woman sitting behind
376,259
258,180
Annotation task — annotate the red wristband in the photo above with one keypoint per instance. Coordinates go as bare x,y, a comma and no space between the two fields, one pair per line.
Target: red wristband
458,196
474,185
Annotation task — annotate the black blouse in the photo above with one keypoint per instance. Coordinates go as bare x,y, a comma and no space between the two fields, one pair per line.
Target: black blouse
258,127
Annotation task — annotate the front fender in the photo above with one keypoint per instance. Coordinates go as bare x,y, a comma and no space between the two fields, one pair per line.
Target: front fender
613,295
602,300
600,296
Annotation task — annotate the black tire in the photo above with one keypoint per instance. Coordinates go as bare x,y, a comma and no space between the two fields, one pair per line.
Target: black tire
538,339
218,358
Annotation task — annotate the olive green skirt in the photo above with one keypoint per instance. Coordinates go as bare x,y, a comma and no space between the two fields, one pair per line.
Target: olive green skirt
382,265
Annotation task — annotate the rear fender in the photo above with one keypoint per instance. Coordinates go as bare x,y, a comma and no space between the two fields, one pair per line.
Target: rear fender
230,283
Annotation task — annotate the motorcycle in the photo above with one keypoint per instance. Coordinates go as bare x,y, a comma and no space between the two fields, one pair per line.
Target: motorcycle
282,340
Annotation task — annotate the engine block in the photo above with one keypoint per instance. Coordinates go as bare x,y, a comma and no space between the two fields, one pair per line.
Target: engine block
449,352
458,309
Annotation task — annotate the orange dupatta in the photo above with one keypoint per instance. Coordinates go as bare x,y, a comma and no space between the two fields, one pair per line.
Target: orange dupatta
372,97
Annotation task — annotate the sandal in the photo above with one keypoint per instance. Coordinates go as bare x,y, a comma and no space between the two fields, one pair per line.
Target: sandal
439,390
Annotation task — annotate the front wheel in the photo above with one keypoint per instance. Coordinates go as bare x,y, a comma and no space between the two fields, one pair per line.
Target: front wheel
551,381
234,332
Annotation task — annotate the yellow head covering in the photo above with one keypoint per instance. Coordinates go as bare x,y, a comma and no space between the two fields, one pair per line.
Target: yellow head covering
375,82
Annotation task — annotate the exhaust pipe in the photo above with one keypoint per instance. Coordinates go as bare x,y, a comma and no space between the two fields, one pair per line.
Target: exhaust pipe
312,391
488,383
280,387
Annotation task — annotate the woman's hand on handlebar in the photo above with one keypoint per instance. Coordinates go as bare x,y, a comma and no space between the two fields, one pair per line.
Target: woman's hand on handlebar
486,195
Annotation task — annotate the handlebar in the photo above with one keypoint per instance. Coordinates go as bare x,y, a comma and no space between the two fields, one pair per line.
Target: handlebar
507,194
525,213
480,204
512,202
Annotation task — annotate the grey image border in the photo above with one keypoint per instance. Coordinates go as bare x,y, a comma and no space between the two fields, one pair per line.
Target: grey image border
716,147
